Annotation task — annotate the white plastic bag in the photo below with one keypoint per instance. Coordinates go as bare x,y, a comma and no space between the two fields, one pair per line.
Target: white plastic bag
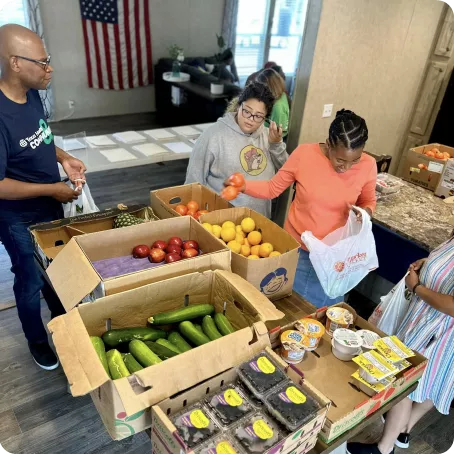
83,205
389,314
344,257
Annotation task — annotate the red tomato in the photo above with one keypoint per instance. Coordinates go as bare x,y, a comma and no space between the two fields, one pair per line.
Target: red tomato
192,213
229,193
181,209
237,180
193,206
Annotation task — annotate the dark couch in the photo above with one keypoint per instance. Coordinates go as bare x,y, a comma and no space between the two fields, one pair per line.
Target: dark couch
198,107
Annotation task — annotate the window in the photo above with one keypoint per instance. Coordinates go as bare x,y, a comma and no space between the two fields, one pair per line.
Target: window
268,30
13,12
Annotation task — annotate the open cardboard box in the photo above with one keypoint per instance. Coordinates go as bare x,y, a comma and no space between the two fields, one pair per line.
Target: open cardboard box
333,379
49,238
427,178
273,276
163,201
124,404
75,279
166,440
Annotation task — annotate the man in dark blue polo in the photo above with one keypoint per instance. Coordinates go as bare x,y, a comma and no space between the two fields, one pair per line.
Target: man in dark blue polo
31,190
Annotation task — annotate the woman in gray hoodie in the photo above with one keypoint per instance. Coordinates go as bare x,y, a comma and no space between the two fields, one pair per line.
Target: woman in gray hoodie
239,142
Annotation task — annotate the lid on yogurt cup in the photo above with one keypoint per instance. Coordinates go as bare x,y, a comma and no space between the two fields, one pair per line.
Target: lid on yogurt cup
347,337
340,315
368,337
310,327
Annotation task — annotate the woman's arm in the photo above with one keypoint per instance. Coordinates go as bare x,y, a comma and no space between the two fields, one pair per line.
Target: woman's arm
285,177
367,199
200,161
439,301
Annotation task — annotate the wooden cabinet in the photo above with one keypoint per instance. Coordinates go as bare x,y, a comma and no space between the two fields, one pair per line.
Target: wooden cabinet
445,42
429,93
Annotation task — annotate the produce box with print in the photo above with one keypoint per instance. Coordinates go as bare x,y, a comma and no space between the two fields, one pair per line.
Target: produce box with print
424,165
334,377
224,414
124,403
263,253
193,199
49,238
104,263
445,186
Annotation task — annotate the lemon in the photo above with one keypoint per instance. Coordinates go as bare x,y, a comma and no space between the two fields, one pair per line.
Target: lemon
228,234
234,246
245,251
238,229
208,226
216,230
265,250
246,242
253,257
248,225
239,239
275,254
254,238
228,224
255,250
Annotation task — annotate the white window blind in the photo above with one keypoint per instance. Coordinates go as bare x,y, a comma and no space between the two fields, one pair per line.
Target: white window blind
268,30
13,12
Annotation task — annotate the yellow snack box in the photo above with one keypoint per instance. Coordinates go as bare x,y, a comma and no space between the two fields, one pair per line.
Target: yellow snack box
393,349
375,365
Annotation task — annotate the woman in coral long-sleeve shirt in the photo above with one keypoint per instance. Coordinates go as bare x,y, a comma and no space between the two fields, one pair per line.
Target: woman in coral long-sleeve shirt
329,178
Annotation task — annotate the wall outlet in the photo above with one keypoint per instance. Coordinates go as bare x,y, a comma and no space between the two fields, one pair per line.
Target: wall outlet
71,104
327,110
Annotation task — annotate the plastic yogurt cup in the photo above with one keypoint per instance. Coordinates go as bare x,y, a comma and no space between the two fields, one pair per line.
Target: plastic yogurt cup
337,317
293,349
312,331
346,341
368,337
344,356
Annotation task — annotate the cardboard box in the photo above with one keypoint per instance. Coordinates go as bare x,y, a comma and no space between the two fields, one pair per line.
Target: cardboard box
163,201
333,379
124,404
49,238
273,276
429,176
445,186
164,434
75,279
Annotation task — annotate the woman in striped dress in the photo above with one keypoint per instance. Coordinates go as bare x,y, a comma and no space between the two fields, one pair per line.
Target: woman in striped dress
427,328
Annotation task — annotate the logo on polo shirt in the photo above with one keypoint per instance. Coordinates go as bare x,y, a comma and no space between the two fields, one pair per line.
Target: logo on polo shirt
43,134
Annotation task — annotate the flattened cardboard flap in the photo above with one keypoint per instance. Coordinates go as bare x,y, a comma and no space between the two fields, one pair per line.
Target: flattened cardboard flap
72,275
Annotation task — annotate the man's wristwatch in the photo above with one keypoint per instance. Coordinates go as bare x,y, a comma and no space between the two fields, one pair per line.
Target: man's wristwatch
415,287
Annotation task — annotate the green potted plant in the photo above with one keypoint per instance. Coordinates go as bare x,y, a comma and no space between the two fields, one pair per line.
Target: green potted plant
177,55
217,88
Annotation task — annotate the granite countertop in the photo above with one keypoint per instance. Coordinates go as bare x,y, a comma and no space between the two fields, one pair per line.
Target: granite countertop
416,214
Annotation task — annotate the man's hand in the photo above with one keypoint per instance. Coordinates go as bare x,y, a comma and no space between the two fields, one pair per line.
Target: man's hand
412,279
63,193
75,169
416,266
275,133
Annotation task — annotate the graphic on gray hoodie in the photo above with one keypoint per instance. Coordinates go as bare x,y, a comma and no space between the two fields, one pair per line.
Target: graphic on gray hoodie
224,149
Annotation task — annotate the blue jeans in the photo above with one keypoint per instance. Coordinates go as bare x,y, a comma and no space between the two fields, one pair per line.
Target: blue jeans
307,284
28,280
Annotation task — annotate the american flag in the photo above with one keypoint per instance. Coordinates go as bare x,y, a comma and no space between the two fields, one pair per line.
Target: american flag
117,43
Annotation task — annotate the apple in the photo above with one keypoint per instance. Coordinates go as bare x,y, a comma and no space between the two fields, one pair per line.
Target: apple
189,253
173,248
172,257
176,240
157,255
159,245
191,244
141,251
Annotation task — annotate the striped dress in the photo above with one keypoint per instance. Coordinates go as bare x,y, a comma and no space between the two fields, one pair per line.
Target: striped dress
431,333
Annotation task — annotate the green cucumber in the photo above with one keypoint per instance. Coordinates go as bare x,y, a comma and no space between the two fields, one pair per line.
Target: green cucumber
116,364
169,345
143,354
179,341
162,351
198,328
209,328
191,333
114,337
180,315
223,325
131,363
100,348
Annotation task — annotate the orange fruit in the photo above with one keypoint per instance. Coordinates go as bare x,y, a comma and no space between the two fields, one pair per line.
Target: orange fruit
193,206
275,254
245,251
229,193
254,257
237,180
181,209
254,238
234,246
239,239
228,234
255,250
265,250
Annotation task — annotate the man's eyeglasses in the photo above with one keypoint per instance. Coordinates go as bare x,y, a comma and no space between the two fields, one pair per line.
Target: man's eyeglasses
43,63
258,118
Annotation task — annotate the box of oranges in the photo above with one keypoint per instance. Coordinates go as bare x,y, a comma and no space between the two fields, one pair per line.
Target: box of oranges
190,199
262,252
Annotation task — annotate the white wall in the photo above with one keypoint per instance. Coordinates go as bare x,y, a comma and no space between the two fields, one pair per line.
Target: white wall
191,24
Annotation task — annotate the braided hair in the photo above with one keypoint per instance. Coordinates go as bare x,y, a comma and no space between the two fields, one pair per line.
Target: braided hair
349,130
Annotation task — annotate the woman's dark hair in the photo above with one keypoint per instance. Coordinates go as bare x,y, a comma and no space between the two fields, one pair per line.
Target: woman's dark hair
349,130
256,90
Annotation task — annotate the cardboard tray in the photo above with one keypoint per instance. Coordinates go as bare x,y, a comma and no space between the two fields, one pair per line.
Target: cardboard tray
163,201
75,279
273,276
124,404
